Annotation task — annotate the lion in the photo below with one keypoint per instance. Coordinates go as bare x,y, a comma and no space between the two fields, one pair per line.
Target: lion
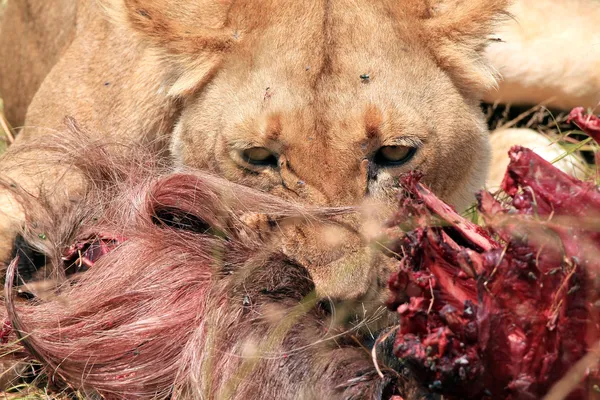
321,103
546,55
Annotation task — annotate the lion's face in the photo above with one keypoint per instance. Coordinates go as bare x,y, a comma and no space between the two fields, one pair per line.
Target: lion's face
326,103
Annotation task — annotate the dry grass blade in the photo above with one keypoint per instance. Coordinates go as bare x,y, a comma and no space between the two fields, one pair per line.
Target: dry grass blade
6,136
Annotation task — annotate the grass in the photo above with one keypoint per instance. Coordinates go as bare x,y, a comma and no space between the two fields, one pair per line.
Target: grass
6,132
551,124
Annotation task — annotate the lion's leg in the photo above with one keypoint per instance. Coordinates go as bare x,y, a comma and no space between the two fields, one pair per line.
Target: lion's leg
92,78
11,217
33,36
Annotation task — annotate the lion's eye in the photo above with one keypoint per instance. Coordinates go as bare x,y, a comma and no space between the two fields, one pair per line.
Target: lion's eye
260,156
391,156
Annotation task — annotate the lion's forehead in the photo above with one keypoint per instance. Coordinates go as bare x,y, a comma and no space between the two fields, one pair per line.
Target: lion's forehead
323,36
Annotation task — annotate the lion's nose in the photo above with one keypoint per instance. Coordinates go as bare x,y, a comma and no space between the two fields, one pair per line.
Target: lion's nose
336,188
295,184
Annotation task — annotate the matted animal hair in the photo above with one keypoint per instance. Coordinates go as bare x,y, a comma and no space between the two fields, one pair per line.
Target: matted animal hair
187,302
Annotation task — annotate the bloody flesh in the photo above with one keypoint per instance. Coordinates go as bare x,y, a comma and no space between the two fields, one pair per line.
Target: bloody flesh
590,124
501,312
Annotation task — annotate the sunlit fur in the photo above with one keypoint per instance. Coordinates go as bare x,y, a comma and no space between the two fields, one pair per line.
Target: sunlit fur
548,54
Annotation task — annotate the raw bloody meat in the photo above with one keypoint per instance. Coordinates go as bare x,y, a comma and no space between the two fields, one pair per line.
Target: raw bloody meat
501,312
590,123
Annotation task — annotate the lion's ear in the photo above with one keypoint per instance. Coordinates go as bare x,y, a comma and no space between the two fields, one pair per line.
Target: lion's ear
192,34
458,31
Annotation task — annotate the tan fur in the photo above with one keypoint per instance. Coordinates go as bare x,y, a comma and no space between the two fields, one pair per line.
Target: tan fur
549,54
207,79
31,42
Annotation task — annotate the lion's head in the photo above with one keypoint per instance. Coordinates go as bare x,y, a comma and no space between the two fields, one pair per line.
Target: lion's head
326,102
